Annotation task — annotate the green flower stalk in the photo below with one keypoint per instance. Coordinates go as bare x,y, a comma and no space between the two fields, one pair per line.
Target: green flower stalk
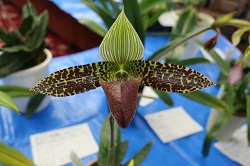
121,73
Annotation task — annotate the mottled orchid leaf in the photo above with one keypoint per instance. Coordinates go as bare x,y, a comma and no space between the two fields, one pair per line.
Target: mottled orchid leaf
76,79
169,77
121,43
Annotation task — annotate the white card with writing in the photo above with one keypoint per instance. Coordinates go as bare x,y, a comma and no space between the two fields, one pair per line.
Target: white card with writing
151,96
54,147
172,124
237,147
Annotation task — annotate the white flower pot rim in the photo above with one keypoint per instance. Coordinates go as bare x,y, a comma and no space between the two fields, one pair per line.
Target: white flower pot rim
33,69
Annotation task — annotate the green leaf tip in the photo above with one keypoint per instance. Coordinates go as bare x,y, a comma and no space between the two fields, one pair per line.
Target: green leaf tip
121,43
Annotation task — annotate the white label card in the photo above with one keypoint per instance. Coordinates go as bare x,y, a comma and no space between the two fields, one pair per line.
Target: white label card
172,124
237,147
54,147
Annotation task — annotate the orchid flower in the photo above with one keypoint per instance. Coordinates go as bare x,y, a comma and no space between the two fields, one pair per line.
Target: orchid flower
236,72
121,73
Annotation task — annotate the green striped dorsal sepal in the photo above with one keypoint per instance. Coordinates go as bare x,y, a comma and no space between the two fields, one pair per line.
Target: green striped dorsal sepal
169,77
76,79
121,43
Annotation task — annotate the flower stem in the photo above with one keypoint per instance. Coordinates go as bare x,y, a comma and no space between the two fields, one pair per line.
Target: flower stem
111,145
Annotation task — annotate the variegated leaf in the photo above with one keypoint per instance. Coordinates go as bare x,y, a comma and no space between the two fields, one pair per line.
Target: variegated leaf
121,43
76,79
169,77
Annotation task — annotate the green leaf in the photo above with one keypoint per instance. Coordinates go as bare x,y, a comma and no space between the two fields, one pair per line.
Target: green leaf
16,91
9,38
244,84
16,48
142,154
93,26
13,157
132,11
27,25
236,37
76,79
115,7
7,101
212,133
36,38
186,21
104,143
191,61
239,22
148,5
248,118
10,63
154,18
169,77
222,20
121,43
218,125
33,104
106,17
28,10
164,96
206,99
120,152
224,67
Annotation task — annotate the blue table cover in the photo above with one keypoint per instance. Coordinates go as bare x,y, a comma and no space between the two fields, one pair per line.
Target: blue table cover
91,107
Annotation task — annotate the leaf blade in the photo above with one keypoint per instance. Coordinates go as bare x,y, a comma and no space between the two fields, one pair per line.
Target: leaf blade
93,26
7,101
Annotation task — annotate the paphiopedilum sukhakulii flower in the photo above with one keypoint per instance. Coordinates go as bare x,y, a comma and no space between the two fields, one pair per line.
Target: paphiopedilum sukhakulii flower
121,73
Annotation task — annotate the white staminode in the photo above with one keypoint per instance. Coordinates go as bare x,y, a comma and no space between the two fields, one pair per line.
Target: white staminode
121,43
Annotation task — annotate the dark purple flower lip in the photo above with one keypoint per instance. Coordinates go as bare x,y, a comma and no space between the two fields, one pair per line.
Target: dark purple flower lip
122,100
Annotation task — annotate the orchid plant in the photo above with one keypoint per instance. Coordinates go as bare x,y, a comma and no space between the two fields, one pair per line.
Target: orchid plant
121,73
234,83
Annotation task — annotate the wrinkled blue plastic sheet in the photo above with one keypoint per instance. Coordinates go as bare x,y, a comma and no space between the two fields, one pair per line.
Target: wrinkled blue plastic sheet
91,107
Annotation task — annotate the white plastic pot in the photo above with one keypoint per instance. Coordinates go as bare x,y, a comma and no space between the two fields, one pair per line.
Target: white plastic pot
28,78
191,48
228,128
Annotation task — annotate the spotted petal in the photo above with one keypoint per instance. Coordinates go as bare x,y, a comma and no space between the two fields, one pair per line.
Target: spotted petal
169,77
121,43
76,79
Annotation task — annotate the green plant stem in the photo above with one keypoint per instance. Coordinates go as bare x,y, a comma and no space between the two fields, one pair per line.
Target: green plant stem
10,20
111,145
176,44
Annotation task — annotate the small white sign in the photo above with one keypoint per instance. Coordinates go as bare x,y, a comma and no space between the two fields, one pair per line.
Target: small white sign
54,147
172,124
150,96
237,147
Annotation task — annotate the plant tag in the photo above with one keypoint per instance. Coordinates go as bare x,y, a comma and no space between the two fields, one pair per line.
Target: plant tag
237,147
54,147
172,124
149,92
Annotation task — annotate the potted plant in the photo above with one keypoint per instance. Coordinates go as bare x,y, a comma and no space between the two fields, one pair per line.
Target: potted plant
120,75
235,92
24,59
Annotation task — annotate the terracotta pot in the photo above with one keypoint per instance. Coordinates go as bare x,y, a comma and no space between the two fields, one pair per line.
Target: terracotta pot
28,78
